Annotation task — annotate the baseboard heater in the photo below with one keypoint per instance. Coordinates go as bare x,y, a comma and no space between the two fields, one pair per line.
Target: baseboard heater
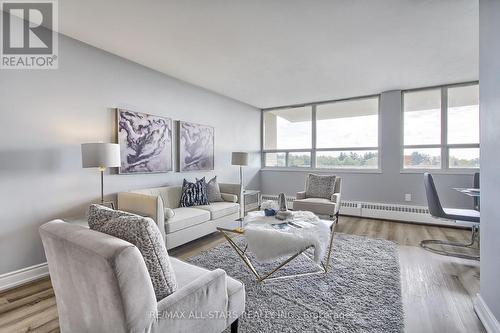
406,213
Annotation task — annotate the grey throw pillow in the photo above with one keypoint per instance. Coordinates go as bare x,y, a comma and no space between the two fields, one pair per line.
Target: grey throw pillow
213,190
145,235
100,215
320,186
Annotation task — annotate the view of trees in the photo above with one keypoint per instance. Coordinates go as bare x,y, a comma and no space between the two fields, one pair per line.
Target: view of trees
421,160
463,163
343,160
360,160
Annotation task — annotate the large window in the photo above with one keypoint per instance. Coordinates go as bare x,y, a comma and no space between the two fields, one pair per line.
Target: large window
441,128
334,135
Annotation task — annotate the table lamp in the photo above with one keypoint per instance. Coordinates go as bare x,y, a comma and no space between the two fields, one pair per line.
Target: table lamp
101,156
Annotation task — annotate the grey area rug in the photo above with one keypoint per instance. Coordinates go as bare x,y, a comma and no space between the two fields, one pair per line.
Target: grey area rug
360,293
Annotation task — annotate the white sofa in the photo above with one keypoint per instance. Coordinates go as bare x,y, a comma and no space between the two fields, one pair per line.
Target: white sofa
187,223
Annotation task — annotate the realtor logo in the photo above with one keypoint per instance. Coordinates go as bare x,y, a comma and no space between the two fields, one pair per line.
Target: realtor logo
28,37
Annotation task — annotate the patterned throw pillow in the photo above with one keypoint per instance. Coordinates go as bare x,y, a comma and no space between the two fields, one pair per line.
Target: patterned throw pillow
194,194
320,186
145,235
100,215
213,190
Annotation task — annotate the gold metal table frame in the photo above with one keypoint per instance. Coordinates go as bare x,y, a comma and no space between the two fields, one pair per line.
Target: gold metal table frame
322,268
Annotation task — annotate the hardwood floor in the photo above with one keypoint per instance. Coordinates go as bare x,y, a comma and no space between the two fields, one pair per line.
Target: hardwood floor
437,290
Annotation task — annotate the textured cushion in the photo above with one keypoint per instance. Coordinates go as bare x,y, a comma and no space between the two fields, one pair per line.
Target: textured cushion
221,209
213,191
194,194
145,235
186,217
100,215
320,186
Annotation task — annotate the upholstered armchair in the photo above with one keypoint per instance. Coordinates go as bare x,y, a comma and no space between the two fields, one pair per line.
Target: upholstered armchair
101,284
326,205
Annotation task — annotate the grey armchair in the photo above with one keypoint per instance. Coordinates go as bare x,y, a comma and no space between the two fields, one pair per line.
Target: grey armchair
102,284
321,206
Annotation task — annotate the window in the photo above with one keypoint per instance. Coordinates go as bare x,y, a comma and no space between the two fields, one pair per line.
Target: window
441,128
347,134
334,135
288,129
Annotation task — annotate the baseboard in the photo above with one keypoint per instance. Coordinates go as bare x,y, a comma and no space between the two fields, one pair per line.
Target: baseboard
22,276
384,211
489,321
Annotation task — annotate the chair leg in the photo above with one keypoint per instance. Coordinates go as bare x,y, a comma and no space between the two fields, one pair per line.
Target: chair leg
234,326
473,241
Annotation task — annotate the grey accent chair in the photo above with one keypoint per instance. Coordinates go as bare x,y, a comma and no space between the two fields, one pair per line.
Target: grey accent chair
321,206
101,284
436,210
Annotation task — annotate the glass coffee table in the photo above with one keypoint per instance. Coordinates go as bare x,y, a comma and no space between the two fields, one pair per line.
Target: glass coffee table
321,267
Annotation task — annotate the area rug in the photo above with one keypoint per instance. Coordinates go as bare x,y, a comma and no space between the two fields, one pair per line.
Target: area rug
361,292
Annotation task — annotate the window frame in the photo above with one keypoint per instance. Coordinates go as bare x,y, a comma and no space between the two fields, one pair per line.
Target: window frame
314,149
443,145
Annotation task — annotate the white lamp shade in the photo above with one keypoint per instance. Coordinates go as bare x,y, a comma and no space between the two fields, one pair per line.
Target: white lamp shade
104,155
239,158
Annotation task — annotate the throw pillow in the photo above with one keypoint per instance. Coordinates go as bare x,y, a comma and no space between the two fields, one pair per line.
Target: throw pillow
320,186
194,194
145,235
213,190
99,215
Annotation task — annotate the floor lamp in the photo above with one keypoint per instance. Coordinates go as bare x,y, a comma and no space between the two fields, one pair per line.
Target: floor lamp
101,156
240,159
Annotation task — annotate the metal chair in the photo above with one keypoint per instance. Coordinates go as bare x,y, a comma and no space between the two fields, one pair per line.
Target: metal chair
476,185
436,210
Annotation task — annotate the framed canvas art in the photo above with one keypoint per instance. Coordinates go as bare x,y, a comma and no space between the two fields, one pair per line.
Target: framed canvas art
196,147
145,142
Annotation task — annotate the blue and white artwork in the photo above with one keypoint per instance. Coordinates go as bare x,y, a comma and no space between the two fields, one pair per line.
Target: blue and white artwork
196,147
145,142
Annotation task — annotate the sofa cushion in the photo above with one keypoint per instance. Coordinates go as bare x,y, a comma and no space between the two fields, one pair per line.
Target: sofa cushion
185,217
220,209
171,195
320,186
145,235
316,205
194,194
213,191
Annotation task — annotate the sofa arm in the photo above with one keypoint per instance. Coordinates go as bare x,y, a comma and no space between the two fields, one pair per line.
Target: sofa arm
234,189
229,197
144,205
301,195
200,306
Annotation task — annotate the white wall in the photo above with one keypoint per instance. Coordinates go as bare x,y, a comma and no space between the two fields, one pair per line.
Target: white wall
489,75
47,114
389,186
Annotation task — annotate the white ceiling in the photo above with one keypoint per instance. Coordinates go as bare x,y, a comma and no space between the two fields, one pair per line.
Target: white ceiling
279,52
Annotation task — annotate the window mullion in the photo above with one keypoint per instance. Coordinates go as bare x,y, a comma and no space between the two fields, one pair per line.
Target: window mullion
313,139
444,128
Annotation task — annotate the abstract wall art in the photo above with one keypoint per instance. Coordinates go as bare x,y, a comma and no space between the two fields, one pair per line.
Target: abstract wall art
145,142
196,147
